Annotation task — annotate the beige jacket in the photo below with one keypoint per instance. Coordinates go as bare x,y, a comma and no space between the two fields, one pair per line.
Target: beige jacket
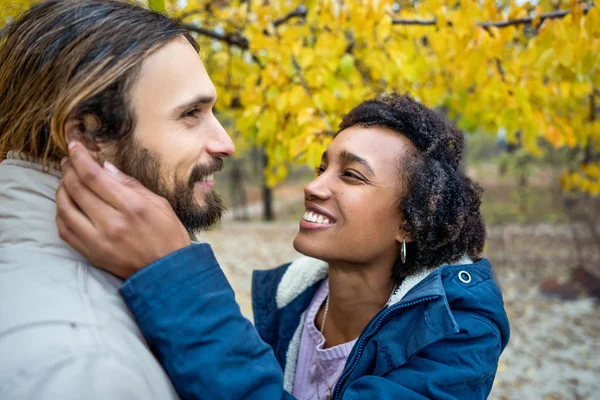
65,332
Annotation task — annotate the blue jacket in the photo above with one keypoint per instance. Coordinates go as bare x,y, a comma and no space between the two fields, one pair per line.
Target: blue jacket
440,336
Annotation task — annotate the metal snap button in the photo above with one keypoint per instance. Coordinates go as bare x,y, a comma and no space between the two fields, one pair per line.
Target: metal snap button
464,277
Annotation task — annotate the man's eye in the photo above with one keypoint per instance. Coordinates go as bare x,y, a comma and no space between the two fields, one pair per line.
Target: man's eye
193,113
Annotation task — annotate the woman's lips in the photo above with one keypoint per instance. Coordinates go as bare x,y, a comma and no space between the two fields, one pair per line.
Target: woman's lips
319,210
316,217
304,224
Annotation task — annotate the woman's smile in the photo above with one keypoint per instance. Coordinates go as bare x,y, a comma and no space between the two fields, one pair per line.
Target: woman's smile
353,201
316,217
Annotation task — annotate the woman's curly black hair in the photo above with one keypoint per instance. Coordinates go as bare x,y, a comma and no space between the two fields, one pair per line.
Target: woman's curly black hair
441,206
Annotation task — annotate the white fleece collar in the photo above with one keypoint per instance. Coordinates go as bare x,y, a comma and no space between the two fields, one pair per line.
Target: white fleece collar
305,272
300,275
413,280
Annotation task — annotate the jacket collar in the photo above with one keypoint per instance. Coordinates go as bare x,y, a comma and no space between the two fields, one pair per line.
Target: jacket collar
306,272
281,319
14,157
28,209
301,274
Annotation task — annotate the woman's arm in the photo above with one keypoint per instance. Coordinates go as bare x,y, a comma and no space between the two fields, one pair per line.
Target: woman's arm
187,311
182,301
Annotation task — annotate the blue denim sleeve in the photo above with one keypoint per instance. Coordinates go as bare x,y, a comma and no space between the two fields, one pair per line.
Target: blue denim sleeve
187,311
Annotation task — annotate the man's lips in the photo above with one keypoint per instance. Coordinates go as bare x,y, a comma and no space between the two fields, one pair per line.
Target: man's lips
207,182
208,185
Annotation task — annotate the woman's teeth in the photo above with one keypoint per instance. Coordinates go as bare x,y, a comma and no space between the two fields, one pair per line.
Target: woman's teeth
316,218
208,178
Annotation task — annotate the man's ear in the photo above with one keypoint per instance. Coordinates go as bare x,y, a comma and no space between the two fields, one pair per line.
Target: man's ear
73,129
78,128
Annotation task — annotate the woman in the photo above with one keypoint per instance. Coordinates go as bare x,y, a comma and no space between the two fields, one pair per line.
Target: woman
393,301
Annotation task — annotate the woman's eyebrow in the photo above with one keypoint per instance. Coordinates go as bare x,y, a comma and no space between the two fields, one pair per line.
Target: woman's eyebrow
348,157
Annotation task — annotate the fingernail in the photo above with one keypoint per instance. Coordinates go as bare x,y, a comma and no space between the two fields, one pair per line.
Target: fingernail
63,161
114,171
72,144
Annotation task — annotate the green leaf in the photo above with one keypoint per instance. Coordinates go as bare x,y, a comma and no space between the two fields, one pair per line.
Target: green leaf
157,5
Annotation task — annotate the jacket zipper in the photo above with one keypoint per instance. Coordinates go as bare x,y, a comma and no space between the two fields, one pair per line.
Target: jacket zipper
361,343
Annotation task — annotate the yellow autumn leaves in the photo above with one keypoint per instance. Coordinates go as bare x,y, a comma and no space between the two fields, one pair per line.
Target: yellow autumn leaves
302,64
585,179
290,88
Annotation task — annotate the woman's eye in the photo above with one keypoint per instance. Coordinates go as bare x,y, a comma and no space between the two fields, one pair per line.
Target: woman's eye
349,174
319,170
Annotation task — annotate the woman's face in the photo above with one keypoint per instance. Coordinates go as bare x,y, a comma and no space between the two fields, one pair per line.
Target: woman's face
352,212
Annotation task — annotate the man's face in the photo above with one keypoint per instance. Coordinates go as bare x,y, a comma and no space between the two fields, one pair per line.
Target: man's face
177,143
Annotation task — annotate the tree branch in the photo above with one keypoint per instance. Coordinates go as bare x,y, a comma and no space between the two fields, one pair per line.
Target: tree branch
500,69
299,12
526,20
233,39
498,24
238,40
414,22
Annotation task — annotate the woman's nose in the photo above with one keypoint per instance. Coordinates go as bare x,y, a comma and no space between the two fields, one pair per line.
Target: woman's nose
318,188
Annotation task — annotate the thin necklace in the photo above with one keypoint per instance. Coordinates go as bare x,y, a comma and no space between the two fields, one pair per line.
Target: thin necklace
325,315
330,387
319,367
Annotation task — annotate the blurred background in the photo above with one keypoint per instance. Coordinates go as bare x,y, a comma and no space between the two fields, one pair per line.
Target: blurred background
521,78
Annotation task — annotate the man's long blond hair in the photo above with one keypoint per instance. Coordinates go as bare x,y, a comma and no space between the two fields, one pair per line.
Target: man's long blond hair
66,59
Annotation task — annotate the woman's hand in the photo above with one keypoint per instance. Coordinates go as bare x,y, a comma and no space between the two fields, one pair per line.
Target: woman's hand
111,219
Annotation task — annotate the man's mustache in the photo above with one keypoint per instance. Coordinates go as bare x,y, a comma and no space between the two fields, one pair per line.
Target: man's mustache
201,170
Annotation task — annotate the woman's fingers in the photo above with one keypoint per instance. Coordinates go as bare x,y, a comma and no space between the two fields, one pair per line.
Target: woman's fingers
78,231
122,192
73,225
70,237
107,186
91,207
114,221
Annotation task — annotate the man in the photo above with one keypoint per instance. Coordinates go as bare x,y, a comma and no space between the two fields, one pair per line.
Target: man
126,83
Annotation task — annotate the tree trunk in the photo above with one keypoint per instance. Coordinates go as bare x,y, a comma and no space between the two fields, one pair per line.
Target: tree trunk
268,214
569,205
238,191
267,194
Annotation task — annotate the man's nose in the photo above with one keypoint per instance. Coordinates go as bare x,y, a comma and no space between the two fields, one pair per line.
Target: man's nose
220,144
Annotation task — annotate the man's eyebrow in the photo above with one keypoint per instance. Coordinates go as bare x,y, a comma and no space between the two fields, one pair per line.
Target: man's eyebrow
348,157
201,99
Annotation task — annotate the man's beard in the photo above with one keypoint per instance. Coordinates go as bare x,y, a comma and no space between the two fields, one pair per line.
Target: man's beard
145,166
